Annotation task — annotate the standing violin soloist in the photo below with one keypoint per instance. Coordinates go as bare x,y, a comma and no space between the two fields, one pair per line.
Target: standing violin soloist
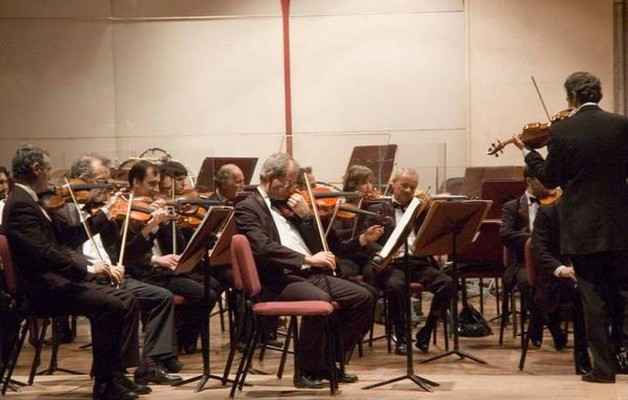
588,157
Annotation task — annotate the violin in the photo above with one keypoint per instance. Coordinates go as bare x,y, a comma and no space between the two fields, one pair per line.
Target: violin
534,134
56,196
141,209
551,196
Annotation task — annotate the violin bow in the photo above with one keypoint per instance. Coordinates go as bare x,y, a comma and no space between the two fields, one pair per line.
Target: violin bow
174,225
541,98
317,217
339,201
125,229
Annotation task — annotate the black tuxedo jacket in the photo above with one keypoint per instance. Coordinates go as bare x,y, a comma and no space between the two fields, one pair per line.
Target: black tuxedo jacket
274,261
588,158
546,252
515,229
41,247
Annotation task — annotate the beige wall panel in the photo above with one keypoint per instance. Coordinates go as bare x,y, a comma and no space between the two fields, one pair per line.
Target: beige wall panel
54,8
56,82
511,40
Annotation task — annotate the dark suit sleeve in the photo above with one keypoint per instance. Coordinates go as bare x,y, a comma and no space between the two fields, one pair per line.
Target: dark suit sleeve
73,235
550,171
138,249
512,235
545,241
25,230
266,250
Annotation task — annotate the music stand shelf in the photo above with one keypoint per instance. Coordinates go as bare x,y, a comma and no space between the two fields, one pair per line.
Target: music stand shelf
212,235
449,227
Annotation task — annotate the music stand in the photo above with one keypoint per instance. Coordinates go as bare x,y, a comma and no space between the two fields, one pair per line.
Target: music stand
500,191
448,227
205,177
398,238
208,236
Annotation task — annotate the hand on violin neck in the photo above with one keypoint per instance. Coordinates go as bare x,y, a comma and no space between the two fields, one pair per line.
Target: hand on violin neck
297,203
516,140
322,259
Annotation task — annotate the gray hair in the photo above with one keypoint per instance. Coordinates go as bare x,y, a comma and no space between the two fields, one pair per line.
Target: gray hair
23,160
223,174
401,171
278,164
586,86
84,166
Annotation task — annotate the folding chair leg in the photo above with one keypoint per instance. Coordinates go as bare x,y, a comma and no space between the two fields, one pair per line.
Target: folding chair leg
40,336
248,350
286,346
16,348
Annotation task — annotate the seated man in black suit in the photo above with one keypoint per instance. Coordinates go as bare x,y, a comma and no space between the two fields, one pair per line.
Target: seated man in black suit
518,217
153,252
228,181
424,269
159,350
556,280
54,281
291,266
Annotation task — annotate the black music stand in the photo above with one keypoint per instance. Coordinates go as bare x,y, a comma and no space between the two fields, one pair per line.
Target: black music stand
398,238
448,227
208,236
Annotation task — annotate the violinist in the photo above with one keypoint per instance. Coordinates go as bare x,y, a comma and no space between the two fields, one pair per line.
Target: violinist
159,355
306,172
518,216
291,265
358,178
56,282
172,173
4,188
228,181
150,256
588,157
424,269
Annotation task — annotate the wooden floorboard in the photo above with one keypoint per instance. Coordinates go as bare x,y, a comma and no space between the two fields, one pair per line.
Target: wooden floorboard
548,374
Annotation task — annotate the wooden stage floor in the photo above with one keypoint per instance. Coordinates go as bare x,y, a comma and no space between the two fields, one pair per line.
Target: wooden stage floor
548,373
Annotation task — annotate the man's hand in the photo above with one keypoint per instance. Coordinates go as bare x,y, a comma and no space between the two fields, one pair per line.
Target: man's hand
568,273
518,142
323,259
372,234
116,273
298,204
158,217
169,261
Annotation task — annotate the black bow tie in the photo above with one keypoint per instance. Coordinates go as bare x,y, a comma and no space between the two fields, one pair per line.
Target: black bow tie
398,206
534,200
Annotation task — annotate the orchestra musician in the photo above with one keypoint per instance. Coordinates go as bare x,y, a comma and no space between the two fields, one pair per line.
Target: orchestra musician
228,181
291,266
556,280
55,281
425,270
172,173
588,157
159,349
4,188
518,216
150,257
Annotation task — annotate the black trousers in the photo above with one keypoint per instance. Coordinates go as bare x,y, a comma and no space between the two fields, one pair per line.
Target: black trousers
157,319
193,312
350,320
113,314
603,286
392,281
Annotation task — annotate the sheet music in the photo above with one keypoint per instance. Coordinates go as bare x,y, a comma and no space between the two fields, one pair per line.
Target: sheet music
408,216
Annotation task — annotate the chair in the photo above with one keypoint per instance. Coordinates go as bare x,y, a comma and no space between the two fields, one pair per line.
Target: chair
245,277
28,321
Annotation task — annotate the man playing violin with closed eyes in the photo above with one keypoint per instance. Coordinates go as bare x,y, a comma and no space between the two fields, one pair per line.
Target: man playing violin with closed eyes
290,264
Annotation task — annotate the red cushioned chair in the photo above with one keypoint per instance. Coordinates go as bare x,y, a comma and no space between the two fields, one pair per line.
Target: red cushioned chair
245,276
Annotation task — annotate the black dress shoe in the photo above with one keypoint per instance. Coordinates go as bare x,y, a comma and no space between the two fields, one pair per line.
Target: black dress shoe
560,339
154,374
583,363
306,381
129,385
536,342
401,348
595,378
111,391
423,339
171,364
342,378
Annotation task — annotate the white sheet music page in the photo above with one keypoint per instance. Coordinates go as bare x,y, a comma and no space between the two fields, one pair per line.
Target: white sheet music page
408,216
